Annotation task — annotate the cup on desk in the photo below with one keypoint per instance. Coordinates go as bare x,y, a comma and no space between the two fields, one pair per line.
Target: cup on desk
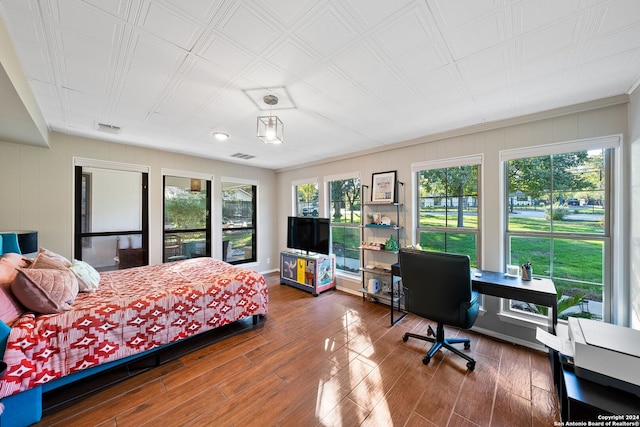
526,272
513,270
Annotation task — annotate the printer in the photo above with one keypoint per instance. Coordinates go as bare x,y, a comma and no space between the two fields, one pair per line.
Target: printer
605,353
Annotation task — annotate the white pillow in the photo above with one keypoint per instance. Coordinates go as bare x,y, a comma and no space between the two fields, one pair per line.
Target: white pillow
136,241
88,277
124,242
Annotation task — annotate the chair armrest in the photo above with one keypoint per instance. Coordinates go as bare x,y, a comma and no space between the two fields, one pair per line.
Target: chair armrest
474,297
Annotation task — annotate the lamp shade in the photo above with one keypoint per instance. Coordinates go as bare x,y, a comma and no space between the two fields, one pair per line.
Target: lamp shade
28,241
270,130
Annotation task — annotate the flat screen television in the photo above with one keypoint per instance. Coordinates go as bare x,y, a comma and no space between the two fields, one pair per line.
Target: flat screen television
308,234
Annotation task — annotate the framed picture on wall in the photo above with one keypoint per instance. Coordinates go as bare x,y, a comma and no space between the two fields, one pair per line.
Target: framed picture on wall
383,187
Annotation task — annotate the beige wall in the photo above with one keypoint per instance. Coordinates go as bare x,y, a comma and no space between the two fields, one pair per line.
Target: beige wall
37,191
557,126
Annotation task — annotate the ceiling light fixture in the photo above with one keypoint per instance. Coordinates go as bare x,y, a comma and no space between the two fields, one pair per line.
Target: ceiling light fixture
221,136
270,128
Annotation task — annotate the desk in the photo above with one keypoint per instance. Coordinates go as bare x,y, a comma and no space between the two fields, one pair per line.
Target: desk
536,291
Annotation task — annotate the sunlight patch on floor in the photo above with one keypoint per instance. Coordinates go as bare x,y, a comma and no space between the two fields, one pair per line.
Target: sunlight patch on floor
364,379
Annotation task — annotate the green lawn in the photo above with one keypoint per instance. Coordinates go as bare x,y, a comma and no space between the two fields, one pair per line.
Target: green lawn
577,264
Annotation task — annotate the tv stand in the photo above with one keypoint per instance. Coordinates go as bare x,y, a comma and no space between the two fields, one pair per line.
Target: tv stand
313,273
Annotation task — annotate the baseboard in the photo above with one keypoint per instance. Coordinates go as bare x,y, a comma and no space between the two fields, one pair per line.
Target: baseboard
509,338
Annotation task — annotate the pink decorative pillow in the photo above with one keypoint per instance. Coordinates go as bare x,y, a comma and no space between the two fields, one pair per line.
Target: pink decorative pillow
49,259
45,291
10,307
7,271
17,259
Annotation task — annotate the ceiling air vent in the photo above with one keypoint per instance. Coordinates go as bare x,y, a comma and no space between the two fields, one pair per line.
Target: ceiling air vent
242,156
108,128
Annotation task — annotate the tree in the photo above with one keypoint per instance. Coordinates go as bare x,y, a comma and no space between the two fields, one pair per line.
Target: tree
451,182
308,193
185,211
549,176
344,193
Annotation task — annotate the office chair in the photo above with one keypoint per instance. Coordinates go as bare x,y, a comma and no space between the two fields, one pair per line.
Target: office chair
437,286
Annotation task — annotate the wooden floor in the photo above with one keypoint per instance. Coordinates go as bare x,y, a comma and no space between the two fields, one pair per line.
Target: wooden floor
332,360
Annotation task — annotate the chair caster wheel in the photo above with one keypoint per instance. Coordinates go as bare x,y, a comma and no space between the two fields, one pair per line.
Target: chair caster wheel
426,360
405,338
471,365
467,345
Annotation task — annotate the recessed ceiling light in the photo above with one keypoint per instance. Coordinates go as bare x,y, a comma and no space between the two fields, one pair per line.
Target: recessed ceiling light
221,136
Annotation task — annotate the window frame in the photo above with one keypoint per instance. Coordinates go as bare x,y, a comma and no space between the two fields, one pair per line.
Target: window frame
208,179
612,284
451,162
327,180
79,163
254,220
296,209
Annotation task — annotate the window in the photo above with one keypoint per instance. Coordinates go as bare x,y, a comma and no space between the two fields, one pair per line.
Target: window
447,206
345,208
111,214
306,198
239,222
187,223
557,210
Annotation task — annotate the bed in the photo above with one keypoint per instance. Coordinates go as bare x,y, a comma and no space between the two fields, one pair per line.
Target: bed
132,313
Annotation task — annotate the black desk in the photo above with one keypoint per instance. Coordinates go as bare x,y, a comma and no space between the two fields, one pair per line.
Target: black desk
536,291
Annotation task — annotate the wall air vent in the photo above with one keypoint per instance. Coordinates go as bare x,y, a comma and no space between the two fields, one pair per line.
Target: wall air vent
242,156
108,128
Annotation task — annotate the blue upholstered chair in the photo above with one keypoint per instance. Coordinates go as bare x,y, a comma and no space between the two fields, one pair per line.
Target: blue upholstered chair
9,243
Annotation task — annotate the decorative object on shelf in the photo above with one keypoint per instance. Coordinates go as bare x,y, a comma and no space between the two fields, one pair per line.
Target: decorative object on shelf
383,187
270,128
391,244
385,220
526,271
374,286
373,246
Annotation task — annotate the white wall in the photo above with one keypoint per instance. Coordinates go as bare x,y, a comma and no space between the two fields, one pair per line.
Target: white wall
634,252
37,191
587,121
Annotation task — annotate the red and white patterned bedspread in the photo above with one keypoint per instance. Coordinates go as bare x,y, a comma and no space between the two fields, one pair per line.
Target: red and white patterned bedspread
134,310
